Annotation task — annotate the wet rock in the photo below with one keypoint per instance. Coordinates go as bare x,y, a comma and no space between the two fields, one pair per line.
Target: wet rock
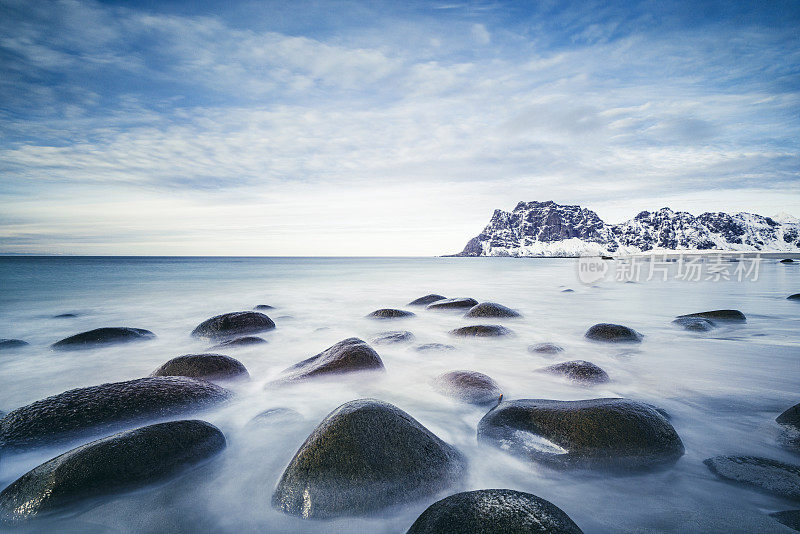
103,336
787,260
596,433
500,511
388,313
568,290
427,299
796,296
365,456
790,518
578,370
434,347
695,324
347,356
234,324
719,315
106,407
388,338
764,474
468,386
452,304
545,348
65,316
481,330
207,366
118,463
244,341
491,309
613,333
264,307
606,258
274,416
12,344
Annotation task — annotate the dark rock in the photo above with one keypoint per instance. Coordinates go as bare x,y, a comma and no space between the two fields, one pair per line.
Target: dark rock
613,333
115,464
719,315
578,370
388,313
491,309
264,307
106,407
65,316
606,258
468,386
233,324
790,518
545,348
493,511
103,336
276,416
387,338
595,433
285,317
364,456
695,324
244,341
796,296
347,356
790,417
787,260
434,346
12,344
767,475
481,330
427,299
568,290
452,304
205,366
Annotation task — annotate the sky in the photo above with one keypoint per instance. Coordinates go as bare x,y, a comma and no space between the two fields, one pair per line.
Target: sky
382,128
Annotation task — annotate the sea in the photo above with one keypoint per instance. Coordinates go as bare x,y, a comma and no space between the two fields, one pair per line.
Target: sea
722,389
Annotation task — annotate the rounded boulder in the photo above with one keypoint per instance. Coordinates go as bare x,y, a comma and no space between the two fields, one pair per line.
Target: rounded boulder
204,366
613,333
234,324
491,309
481,330
468,386
347,356
103,336
452,304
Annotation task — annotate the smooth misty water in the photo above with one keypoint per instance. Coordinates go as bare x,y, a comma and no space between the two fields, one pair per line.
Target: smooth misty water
723,388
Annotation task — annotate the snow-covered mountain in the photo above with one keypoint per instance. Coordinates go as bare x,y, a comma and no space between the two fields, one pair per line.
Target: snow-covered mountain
550,229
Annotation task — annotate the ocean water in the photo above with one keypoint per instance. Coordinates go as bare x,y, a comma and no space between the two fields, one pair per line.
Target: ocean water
723,389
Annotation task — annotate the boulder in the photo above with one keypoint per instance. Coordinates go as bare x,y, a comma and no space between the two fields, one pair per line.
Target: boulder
767,475
427,299
433,347
6,344
787,260
596,433
790,518
388,338
468,386
695,324
500,511
491,309
568,290
719,315
578,370
106,407
613,333
264,307
452,304
365,456
234,324
545,348
790,417
65,316
244,341
389,313
346,356
481,330
796,296
207,366
111,465
103,336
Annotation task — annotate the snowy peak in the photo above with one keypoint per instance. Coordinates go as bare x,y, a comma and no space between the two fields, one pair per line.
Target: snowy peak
550,229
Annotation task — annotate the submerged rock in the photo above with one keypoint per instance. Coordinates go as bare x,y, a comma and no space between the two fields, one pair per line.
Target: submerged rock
427,299
695,324
719,315
103,336
595,433
613,333
468,386
491,309
206,366
545,348
244,341
434,346
578,370
767,475
234,324
481,330
387,338
796,296
96,409
264,307
115,464
365,456
500,511
787,260
12,344
346,356
452,304
388,313
790,518
65,316
273,416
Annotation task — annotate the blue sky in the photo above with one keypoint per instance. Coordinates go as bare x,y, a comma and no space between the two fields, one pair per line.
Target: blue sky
382,128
